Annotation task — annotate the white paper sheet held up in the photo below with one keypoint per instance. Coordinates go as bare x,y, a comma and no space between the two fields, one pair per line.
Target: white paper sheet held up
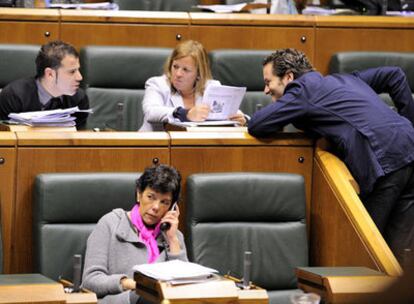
224,101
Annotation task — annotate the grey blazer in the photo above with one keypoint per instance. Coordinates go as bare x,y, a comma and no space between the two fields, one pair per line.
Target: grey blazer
113,248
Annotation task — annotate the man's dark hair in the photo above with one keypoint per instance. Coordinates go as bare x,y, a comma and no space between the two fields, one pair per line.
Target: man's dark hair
289,60
51,56
162,179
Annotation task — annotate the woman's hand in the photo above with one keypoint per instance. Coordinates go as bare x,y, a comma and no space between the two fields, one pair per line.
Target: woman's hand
239,118
171,234
198,112
128,284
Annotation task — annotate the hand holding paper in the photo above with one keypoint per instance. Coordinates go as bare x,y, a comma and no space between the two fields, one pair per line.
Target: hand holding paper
198,112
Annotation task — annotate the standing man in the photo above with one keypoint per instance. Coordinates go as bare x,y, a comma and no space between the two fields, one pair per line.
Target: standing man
55,86
376,143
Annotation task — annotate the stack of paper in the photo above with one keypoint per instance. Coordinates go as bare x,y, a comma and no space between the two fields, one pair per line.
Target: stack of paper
176,272
97,6
50,118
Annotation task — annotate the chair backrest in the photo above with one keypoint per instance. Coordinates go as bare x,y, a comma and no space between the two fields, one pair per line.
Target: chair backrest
66,208
346,62
114,75
230,213
242,68
157,5
17,61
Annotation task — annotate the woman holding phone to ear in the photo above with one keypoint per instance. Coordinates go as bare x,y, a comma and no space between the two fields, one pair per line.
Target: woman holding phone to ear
177,95
123,239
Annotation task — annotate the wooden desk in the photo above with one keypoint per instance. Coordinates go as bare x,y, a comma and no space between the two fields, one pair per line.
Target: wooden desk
36,288
222,290
8,149
30,288
343,284
318,36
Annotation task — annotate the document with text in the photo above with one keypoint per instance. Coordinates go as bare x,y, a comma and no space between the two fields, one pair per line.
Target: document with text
224,101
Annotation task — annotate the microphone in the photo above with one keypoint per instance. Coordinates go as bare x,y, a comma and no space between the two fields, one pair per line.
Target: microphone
247,265
120,116
77,271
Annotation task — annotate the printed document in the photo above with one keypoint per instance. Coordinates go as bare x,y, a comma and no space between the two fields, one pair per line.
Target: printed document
224,101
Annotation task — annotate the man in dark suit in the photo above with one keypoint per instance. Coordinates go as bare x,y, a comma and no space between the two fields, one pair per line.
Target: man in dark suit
375,142
56,85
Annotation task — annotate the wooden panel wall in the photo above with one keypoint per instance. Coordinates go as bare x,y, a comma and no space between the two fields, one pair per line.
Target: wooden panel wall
319,37
7,192
215,154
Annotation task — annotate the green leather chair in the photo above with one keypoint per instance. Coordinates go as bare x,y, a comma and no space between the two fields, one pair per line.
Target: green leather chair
242,68
346,62
117,75
230,213
17,61
66,208
157,5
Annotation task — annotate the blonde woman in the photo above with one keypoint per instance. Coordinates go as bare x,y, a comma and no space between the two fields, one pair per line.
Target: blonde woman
177,95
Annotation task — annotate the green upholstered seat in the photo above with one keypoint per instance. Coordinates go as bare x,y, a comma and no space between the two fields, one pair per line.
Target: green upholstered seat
66,208
157,5
229,213
242,68
17,61
117,75
346,62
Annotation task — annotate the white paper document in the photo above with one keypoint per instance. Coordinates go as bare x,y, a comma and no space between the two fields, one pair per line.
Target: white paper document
224,101
176,271
223,8
52,118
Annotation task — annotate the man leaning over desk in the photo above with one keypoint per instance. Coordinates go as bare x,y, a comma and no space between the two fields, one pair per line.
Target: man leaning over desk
55,86
375,142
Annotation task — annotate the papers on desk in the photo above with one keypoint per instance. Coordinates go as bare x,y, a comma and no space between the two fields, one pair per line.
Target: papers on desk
234,8
176,272
224,101
97,6
50,118
223,8
208,123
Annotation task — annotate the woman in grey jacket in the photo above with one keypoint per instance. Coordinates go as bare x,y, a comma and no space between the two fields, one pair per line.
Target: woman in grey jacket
122,239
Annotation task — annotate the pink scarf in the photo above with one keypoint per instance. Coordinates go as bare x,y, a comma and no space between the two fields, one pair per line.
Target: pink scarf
147,235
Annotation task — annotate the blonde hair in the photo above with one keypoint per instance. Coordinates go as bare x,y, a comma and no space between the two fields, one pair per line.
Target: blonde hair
195,50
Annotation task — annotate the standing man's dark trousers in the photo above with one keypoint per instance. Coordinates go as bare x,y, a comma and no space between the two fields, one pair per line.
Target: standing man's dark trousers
391,206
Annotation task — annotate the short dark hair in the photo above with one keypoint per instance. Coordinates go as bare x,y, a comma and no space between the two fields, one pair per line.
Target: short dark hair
289,60
161,178
51,56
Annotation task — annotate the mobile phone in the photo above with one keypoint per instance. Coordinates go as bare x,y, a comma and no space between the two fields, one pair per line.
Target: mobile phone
165,226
